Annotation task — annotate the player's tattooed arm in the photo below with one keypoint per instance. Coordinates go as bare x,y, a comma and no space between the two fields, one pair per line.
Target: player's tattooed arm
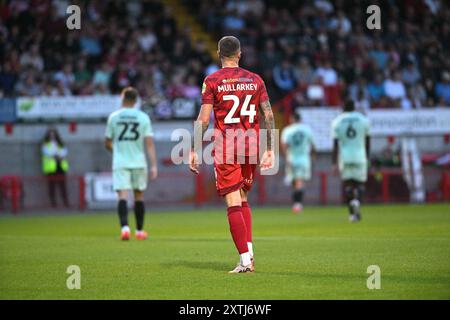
202,124
269,121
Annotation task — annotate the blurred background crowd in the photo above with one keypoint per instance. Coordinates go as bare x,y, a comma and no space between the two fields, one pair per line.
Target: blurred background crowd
315,51
294,44
120,43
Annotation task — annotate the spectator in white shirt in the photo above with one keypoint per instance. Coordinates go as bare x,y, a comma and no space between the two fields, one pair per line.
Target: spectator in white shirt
341,23
327,73
394,87
32,58
147,39
65,77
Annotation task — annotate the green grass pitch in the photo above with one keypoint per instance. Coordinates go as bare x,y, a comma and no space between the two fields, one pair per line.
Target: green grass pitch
317,255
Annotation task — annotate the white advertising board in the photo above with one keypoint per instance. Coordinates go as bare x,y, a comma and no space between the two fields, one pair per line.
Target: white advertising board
67,107
434,121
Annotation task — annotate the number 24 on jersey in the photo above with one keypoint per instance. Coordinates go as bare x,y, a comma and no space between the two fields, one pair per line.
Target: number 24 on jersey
247,109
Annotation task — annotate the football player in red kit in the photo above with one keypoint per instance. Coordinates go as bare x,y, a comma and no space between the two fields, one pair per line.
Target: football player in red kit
238,97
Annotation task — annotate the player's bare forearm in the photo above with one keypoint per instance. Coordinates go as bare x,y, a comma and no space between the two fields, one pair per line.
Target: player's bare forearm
151,150
203,119
269,121
108,144
313,152
201,133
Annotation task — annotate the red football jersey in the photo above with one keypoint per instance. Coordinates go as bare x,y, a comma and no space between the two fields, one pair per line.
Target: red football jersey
236,94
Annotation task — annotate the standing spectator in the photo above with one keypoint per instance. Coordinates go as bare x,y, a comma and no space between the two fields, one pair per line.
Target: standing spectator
55,165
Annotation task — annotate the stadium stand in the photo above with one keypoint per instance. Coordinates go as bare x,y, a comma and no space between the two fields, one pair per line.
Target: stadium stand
316,50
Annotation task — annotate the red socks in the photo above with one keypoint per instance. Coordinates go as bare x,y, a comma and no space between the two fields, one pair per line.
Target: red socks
247,214
237,228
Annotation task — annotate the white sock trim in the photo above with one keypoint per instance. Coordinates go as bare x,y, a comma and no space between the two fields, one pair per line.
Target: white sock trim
250,248
245,259
125,229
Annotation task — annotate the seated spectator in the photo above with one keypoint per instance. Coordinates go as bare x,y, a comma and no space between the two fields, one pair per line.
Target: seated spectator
341,24
49,90
147,39
327,73
28,87
81,73
89,43
8,79
32,58
233,21
411,101
376,88
304,73
379,55
102,76
430,91
269,56
394,87
410,74
394,56
101,89
362,102
65,77
443,89
191,89
284,76
62,90
359,88
82,85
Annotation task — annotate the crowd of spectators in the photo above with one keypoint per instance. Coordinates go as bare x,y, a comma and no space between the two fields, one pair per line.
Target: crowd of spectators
120,43
302,48
306,46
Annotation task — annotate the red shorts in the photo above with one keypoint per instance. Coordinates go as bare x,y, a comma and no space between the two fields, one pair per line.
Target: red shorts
232,177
